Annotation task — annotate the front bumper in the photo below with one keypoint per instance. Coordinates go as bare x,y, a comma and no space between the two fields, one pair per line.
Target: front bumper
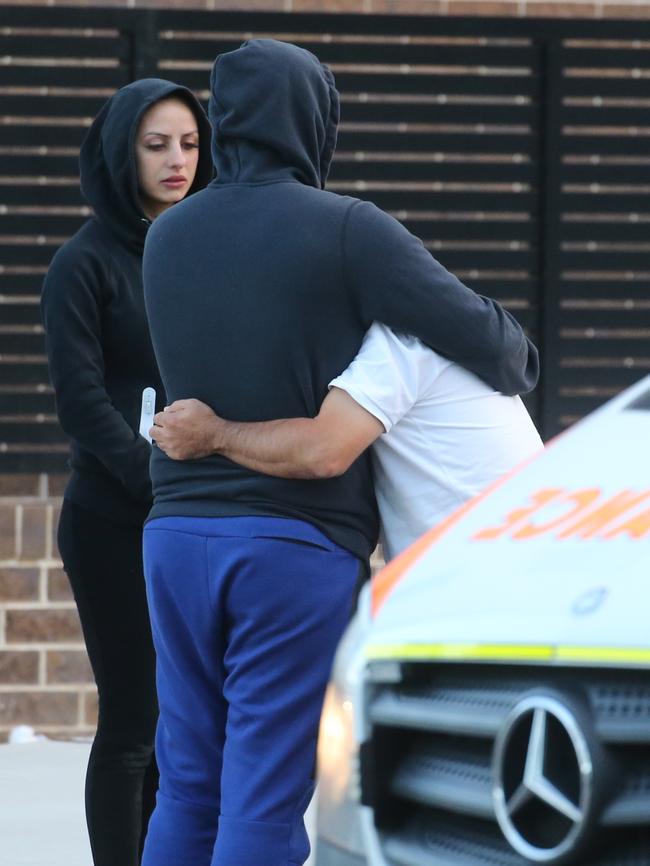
329,855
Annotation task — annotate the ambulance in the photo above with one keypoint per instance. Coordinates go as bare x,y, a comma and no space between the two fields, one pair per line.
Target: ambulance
490,702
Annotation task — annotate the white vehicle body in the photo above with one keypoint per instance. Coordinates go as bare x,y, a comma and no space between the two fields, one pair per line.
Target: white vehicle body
490,703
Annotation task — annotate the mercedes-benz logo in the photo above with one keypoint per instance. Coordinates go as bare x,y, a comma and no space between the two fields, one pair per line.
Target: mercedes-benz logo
542,779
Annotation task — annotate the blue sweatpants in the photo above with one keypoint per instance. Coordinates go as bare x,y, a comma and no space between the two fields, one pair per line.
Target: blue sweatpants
246,614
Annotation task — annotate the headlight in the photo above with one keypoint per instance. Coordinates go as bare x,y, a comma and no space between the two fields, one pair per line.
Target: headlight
337,748
338,744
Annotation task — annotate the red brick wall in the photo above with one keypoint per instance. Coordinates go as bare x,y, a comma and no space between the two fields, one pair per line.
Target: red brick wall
512,8
45,678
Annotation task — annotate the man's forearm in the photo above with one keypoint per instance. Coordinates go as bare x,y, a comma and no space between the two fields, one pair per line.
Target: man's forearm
287,448
320,447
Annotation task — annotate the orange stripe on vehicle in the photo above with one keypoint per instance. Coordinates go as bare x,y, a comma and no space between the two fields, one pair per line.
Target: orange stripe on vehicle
392,573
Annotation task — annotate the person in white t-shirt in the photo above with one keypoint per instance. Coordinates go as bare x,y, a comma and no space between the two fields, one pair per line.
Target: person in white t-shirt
439,434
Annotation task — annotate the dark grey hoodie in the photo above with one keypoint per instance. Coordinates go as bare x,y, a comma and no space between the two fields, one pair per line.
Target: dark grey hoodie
97,337
260,288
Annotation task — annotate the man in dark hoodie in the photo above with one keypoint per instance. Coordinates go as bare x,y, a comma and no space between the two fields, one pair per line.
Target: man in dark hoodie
259,291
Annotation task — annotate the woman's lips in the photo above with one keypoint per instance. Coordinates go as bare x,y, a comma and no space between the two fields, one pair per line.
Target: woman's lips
174,182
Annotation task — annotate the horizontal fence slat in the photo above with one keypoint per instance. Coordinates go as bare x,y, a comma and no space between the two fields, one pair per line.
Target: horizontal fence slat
30,342
395,170
19,314
30,430
597,85
29,105
625,170
468,139
26,224
594,117
26,372
63,76
449,228
607,261
26,402
39,45
36,194
25,460
24,254
407,111
40,134
401,199
408,55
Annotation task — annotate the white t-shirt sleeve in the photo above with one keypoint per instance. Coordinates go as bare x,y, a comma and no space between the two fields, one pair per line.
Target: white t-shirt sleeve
384,377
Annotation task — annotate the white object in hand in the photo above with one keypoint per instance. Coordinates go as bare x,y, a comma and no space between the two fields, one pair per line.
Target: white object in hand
147,412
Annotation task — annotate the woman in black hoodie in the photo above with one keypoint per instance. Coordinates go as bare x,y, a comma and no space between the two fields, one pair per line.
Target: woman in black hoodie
148,148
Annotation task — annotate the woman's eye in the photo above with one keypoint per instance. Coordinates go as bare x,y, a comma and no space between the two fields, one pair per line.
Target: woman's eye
191,145
155,147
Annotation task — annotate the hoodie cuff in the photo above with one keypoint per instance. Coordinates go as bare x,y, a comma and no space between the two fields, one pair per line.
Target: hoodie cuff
137,481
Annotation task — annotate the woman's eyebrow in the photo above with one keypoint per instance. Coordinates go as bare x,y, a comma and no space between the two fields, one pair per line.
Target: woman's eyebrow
166,135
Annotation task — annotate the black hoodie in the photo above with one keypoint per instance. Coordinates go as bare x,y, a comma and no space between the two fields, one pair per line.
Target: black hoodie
97,337
260,288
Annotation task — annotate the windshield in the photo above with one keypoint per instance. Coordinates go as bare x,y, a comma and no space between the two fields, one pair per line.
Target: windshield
641,402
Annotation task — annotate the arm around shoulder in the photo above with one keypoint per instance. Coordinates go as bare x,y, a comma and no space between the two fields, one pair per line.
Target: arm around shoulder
395,280
306,448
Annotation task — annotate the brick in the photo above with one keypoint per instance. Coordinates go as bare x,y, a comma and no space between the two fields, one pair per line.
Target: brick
488,9
20,484
38,708
220,5
58,585
349,6
18,667
408,7
56,514
70,666
34,531
560,10
7,531
114,3
625,10
56,484
43,626
90,708
174,4
18,584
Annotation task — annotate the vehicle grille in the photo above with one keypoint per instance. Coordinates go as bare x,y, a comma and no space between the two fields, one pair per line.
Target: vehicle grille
427,767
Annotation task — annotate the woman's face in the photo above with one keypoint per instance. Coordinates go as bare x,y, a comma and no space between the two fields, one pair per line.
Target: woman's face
167,153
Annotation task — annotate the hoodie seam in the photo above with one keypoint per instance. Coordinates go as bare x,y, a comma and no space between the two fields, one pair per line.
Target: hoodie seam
344,225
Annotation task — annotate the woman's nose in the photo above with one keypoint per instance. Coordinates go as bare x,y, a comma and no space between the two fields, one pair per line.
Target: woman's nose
177,156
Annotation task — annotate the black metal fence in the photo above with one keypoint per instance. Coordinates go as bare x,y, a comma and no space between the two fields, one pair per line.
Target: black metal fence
518,150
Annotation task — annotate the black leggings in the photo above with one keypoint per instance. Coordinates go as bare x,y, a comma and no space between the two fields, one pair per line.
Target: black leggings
103,561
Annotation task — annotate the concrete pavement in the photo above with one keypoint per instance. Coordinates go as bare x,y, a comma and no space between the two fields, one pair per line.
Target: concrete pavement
42,820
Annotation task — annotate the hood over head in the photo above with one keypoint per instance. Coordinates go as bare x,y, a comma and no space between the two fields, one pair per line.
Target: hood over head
109,181
274,109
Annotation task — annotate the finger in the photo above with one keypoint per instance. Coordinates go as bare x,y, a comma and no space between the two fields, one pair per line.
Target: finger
179,405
